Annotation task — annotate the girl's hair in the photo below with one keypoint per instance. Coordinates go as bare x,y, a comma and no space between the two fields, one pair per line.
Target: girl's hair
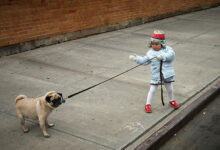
150,45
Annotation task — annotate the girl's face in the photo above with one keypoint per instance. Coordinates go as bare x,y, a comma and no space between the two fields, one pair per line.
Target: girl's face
156,46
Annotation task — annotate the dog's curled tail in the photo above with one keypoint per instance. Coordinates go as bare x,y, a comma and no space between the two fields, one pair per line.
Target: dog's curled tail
20,97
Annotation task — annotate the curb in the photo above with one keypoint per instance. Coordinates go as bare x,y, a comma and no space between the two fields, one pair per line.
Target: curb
165,132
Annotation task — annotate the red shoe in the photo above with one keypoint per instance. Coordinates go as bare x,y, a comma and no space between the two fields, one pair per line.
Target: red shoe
174,104
148,108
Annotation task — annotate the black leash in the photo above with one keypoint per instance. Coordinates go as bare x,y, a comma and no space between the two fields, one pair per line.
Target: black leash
161,79
101,82
106,80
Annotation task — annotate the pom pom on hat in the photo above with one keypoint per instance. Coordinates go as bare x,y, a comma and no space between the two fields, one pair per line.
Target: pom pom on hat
158,34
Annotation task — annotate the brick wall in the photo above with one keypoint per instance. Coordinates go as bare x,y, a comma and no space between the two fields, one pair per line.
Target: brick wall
28,20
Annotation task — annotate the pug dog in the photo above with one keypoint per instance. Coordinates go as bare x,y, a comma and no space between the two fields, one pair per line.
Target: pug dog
37,108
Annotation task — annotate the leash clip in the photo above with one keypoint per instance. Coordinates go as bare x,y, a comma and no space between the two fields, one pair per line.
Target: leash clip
64,100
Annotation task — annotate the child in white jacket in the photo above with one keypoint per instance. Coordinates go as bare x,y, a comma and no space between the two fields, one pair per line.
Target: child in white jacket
164,55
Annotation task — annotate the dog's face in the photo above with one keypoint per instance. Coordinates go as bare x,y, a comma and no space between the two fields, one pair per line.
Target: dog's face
54,99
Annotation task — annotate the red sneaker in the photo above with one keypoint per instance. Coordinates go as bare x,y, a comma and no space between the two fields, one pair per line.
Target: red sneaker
148,108
174,104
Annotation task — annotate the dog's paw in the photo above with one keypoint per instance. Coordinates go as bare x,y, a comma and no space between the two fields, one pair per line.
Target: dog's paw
46,135
26,130
51,125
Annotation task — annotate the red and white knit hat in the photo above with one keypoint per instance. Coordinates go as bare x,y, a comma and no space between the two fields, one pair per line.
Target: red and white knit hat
158,34
159,37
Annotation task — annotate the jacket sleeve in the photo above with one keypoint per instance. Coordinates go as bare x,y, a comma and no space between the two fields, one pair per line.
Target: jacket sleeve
168,55
143,60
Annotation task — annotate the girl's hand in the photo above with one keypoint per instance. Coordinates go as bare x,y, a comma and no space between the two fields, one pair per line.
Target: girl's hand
159,57
132,57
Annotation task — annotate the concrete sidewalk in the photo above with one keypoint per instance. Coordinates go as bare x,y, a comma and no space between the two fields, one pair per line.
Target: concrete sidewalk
110,116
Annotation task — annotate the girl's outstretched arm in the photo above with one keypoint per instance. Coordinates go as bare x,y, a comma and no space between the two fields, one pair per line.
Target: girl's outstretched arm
143,60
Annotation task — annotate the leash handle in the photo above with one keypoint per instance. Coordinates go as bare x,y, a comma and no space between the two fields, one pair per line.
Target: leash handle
161,79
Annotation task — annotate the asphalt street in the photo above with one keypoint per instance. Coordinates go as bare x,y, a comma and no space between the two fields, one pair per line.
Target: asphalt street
201,133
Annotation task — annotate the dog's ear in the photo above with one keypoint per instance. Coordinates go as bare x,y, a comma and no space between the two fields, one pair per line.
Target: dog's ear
60,94
48,99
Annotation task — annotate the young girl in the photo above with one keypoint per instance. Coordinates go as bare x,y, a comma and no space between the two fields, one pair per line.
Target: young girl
158,54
